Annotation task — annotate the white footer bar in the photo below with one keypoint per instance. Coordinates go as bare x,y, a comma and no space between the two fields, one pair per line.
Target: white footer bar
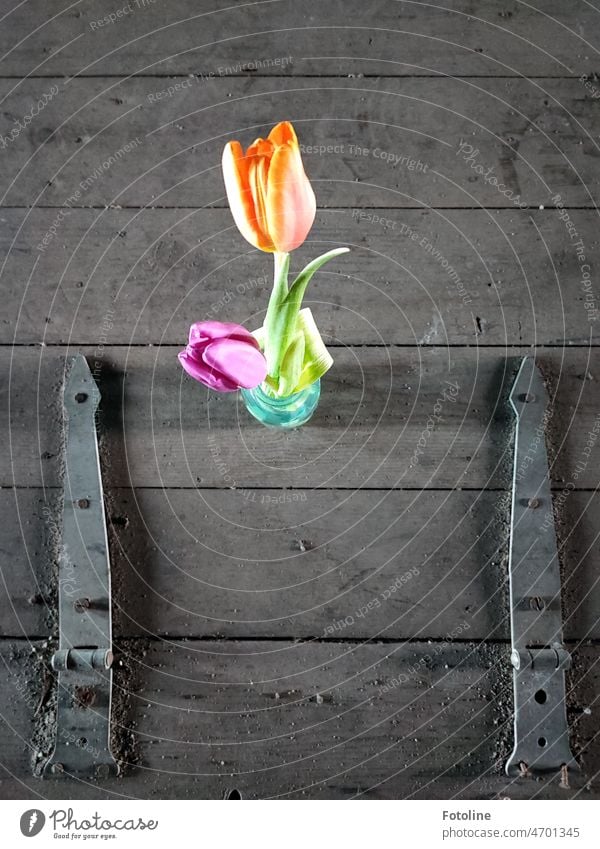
300,824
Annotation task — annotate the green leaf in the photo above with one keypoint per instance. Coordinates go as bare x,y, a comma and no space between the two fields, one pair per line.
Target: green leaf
299,285
282,320
306,359
317,359
291,365
259,335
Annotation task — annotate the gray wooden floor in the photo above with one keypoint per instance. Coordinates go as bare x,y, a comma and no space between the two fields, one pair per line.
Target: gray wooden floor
320,613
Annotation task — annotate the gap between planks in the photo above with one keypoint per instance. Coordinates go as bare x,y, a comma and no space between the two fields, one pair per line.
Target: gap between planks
422,208
439,75
292,488
174,345
356,641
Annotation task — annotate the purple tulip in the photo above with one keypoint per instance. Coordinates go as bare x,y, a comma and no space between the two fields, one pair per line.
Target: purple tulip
225,357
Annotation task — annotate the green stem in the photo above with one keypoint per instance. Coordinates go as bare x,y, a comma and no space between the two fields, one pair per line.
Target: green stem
275,323
281,320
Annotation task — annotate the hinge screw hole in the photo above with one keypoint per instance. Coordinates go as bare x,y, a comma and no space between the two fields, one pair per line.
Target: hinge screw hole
234,793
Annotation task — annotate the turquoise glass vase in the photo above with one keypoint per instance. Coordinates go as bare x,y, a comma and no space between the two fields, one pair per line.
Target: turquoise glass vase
290,411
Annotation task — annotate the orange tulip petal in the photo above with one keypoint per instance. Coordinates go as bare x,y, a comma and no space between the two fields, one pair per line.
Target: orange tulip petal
271,199
240,197
258,169
260,147
282,133
291,204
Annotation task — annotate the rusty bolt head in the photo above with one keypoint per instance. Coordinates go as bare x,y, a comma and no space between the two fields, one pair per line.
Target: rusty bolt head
85,697
83,503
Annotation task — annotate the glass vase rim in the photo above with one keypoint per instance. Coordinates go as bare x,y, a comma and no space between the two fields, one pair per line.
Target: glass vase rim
280,400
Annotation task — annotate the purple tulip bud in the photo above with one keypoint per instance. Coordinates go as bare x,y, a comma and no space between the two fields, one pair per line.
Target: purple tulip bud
225,357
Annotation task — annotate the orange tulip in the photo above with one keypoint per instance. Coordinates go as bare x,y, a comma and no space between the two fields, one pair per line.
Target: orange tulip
269,194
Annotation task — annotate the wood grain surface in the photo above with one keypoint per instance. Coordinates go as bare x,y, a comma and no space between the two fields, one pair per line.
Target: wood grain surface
339,37
538,139
320,613
298,720
136,277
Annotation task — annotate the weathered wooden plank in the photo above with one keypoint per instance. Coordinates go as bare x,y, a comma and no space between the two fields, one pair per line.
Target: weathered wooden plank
216,37
323,564
29,540
390,565
468,277
371,430
327,564
400,143
296,720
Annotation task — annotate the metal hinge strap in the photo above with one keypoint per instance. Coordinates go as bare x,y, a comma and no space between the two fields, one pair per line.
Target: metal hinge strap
84,656
539,657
